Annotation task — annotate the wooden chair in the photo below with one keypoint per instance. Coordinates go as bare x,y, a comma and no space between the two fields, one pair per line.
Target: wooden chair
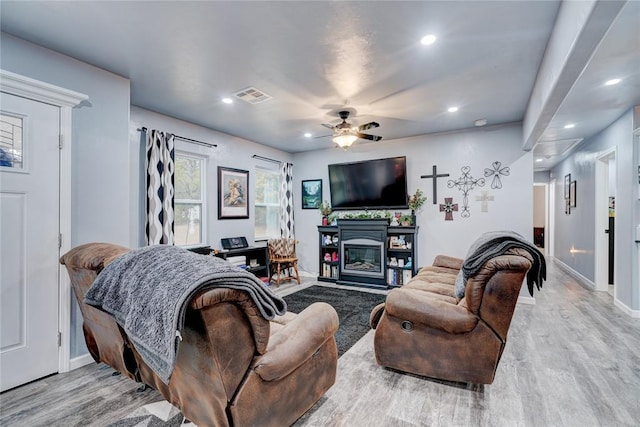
282,257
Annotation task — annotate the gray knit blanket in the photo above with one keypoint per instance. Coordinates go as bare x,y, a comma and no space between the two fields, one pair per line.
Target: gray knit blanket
495,243
148,290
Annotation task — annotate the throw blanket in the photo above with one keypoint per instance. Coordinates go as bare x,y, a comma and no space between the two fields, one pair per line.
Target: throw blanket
497,243
148,290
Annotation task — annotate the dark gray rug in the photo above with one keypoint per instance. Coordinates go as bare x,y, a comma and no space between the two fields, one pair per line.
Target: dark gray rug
353,307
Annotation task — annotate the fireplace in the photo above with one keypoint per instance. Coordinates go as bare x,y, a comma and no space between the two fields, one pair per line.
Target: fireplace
362,252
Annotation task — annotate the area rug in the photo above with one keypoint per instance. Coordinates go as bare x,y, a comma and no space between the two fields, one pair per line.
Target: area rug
353,308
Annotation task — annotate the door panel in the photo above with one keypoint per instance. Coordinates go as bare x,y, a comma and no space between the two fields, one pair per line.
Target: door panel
29,227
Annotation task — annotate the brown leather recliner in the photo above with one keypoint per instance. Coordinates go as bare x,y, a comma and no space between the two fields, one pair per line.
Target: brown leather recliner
233,366
423,329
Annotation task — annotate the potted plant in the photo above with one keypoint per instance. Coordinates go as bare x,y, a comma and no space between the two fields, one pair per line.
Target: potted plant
406,220
325,210
416,201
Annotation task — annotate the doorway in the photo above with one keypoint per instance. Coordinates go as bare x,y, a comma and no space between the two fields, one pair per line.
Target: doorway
35,222
540,217
29,175
605,193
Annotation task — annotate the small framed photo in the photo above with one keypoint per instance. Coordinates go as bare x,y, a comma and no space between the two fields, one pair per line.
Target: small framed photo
572,194
311,193
567,207
567,183
233,193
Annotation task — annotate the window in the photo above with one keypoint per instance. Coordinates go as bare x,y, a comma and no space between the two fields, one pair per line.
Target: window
11,141
267,214
189,199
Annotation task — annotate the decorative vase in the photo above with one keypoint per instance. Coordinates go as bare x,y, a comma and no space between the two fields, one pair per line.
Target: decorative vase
325,220
413,217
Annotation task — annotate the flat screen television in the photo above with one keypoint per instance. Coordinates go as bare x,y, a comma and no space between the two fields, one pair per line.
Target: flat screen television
370,184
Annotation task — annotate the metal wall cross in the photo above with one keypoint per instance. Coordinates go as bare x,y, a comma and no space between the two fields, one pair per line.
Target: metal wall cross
435,177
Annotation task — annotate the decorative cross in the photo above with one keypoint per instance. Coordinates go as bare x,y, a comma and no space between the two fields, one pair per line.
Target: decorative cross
435,177
496,183
465,184
448,208
485,199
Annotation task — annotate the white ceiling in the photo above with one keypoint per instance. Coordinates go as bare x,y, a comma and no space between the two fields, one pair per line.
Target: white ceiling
317,58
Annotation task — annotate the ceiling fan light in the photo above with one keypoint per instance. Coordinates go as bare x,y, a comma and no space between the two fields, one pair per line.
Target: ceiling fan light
344,141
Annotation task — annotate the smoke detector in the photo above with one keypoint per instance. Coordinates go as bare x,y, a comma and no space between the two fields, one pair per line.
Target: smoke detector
480,122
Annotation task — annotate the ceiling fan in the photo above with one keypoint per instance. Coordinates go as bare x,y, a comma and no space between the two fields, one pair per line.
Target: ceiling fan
345,134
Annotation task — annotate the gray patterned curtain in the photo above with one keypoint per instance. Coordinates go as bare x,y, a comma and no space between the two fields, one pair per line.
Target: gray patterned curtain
160,188
286,201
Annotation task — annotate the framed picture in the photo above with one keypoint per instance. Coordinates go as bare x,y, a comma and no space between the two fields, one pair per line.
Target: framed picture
567,207
233,193
572,194
567,183
311,193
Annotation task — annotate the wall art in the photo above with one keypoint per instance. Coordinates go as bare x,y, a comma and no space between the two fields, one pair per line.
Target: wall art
567,184
465,184
495,171
448,208
484,198
233,193
572,194
311,193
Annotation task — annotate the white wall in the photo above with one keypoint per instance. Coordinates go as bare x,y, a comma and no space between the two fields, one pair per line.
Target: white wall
231,152
512,208
100,161
577,231
100,203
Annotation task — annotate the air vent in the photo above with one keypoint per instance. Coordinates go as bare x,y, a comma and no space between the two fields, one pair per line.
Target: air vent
554,148
252,95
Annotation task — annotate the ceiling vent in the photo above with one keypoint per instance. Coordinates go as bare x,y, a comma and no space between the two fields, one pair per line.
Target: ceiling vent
555,148
252,95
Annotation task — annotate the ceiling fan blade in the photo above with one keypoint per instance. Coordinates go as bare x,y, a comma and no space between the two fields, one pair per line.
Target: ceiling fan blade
367,126
320,136
369,137
327,125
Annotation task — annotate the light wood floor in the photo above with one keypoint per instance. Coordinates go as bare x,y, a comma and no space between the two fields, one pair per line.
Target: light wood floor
572,359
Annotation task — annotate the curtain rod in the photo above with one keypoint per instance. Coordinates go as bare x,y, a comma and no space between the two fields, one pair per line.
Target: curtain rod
194,141
266,159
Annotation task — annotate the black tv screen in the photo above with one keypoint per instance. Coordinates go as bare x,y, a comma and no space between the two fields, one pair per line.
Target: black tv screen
370,184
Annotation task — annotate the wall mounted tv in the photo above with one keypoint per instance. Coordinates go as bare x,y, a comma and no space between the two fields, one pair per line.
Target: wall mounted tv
370,184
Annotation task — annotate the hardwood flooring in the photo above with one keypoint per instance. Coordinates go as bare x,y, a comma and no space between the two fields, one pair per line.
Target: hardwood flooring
572,359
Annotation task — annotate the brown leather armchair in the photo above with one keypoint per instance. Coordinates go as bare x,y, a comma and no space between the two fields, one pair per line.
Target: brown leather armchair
422,328
233,367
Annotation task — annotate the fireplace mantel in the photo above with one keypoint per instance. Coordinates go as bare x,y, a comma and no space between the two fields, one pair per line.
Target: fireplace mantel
358,252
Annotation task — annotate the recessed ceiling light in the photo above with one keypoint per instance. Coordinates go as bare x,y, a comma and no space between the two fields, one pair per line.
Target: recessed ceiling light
452,109
612,82
308,135
569,126
539,160
428,39
227,100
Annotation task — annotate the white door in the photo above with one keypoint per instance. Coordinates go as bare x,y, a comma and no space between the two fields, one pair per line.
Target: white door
29,229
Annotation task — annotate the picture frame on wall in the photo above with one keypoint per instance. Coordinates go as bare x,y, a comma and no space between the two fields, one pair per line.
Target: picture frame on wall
572,194
233,193
567,207
567,184
311,193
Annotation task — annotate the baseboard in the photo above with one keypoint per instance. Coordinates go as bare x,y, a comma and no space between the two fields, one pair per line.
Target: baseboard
573,273
80,361
626,310
590,285
526,300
